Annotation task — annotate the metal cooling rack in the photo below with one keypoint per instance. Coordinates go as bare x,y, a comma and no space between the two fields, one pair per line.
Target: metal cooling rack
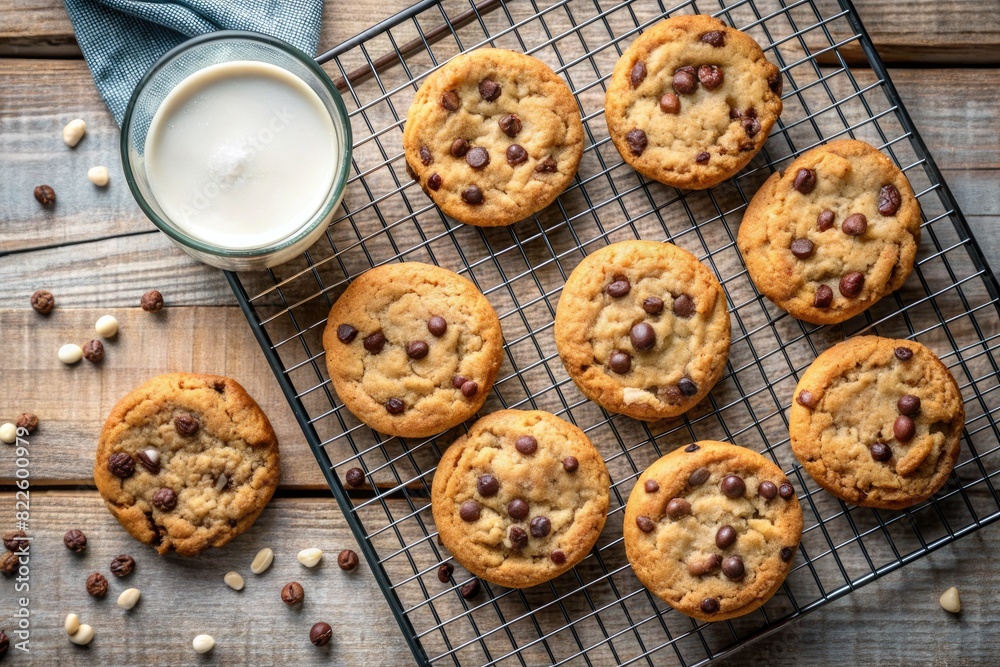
599,613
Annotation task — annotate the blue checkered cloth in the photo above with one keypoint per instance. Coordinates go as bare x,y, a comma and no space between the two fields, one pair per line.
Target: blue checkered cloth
121,39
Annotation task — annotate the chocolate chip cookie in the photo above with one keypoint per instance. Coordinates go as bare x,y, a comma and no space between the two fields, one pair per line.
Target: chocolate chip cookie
835,233
521,499
493,137
186,462
643,329
412,349
877,422
711,529
692,101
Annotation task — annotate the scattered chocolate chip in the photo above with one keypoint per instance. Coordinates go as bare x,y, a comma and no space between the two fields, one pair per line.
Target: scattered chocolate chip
670,104
684,306
43,301
823,297
636,140
699,476
889,200
489,89
375,342
547,166
687,387
651,486
459,147
487,485
678,508
394,406
121,465
855,224
620,362
320,634
293,594
450,101
347,560
852,283
93,351
733,567
186,425
706,565
702,158
786,490
152,301
638,74
517,509
824,220
751,126
435,181
518,537
417,349
880,451
510,124
709,606
904,428
908,404
97,585
346,333
805,181
470,589
725,537
619,287
15,540
526,444
445,572
45,195
425,156
540,526
903,353
685,81
653,305
767,490
570,464
122,566
716,38
693,447
469,388
642,336
8,565
470,511
477,158
557,557
806,399
165,499
645,523
472,195
355,477
516,155
437,326
27,421
75,540
733,486
786,553
710,76
802,248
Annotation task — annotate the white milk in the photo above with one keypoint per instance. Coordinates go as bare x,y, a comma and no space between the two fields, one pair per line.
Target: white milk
241,154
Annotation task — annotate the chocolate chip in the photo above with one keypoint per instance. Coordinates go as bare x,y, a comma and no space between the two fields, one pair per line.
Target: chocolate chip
802,248
394,406
786,553
517,509
510,124
43,301
767,490
449,100
908,404
699,476
93,351
880,451
437,325
165,499
716,38
706,565
152,301
487,485
619,287
346,333
518,537
45,195
445,572
153,467
375,342
469,388
855,224
852,283
786,490
620,362
687,387
702,158
459,147
734,113
684,306
889,200
458,381
733,567
547,166
678,508
692,448
293,593
489,89
526,444
186,425
903,353
557,557
651,486
471,589
653,305
417,349
709,606
636,140
97,585
472,195
824,220
733,486
123,565
27,421
710,76
355,477
516,155
751,126
540,526
435,181
425,156
645,523
638,74
75,540
806,399
320,634
642,336
470,511
805,181
570,464
725,537
823,297
685,81
15,540
121,465
670,104
477,158
904,428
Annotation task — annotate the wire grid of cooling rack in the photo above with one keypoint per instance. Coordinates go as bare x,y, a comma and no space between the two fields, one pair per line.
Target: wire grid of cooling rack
599,613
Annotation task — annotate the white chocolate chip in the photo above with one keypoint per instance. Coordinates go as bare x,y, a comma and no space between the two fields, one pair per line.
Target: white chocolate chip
220,483
262,561
72,624
8,433
98,176
203,643
234,580
153,454
129,598
73,132
70,353
83,635
310,557
950,600
107,326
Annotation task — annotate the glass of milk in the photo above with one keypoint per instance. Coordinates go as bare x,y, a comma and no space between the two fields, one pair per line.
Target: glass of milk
237,146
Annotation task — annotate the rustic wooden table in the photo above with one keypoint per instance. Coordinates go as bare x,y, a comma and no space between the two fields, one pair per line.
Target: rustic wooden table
97,253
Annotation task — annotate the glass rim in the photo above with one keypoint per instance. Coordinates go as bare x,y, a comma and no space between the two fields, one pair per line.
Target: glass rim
340,177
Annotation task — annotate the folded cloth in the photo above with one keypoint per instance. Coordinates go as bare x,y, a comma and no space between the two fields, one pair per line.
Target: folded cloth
121,39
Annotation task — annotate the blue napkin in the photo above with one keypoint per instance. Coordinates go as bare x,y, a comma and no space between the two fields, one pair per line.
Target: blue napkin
121,39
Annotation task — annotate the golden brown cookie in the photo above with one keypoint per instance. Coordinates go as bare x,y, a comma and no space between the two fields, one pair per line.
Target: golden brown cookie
692,101
711,529
493,136
877,422
521,499
186,462
834,234
643,329
412,349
